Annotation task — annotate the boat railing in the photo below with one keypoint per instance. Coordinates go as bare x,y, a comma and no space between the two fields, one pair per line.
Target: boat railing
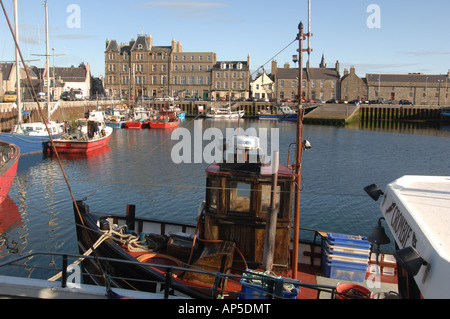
262,285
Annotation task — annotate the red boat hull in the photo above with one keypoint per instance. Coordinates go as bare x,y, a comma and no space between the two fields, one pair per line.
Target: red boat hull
161,124
9,171
136,124
77,147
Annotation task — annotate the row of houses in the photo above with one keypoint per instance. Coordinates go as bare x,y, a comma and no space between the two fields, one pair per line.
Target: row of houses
61,79
139,68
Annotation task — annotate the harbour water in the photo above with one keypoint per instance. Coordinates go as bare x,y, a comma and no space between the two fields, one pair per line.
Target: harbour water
137,168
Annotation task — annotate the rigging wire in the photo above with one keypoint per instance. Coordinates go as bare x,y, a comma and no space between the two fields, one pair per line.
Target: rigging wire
262,66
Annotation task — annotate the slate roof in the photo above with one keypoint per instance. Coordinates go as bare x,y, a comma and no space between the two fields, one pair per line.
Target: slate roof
141,44
289,73
323,74
112,46
245,66
5,69
406,78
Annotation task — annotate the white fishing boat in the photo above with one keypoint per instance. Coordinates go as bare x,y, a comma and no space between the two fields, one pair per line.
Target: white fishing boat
224,113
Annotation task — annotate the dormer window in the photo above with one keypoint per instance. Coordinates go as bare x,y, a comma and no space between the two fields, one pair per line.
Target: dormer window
139,46
239,66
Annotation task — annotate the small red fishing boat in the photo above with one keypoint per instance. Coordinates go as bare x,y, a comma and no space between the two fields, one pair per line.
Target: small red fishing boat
140,119
166,119
9,160
90,134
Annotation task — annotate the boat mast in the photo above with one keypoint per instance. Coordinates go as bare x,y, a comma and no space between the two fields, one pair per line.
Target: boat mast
47,54
19,94
298,173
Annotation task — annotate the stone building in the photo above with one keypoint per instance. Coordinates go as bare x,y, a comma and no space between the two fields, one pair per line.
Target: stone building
353,87
320,83
191,74
139,68
231,79
420,89
148,65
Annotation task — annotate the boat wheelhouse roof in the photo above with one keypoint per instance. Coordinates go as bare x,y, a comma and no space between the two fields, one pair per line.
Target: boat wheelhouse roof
427,202
266,170
417,211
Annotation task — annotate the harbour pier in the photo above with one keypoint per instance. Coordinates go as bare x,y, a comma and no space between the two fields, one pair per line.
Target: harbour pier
339,114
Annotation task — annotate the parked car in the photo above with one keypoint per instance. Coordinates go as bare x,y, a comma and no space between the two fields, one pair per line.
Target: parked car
42,96
78,95
65,96
334,101
10,96
405,102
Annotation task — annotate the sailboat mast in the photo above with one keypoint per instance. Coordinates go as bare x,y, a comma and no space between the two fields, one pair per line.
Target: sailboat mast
47,54
309,28
19,93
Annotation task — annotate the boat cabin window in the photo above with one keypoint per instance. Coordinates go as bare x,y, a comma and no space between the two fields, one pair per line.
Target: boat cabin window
266,191
212,197
240,193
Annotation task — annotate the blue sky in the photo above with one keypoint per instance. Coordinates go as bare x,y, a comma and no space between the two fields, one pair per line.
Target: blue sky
401,36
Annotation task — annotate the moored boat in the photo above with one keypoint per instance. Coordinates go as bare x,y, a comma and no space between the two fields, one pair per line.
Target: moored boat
32,138
445,115
140,119
224,113
90,134
228,242
177,111
165,120
279,113
9,160
116,117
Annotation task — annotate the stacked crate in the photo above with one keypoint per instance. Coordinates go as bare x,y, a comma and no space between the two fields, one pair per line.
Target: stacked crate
345,257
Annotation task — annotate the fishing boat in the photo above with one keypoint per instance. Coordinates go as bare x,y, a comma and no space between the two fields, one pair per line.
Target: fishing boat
225,253
9,160
116,117
140,119
177,111
279,113
90,134
165,120
224,113
32,138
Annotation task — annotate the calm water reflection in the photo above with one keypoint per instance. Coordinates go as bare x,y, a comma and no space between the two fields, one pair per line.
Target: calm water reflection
137,168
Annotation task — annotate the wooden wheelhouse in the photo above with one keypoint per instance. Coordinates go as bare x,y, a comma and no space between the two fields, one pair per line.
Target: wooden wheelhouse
238,201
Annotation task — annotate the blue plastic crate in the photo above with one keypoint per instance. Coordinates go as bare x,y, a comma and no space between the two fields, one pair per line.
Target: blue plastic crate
345,251
350,241
250,291
344,270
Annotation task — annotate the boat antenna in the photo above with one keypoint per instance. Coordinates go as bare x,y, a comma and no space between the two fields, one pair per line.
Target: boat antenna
298,163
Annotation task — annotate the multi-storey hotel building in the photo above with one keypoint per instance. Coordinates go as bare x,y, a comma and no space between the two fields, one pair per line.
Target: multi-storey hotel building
139,68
